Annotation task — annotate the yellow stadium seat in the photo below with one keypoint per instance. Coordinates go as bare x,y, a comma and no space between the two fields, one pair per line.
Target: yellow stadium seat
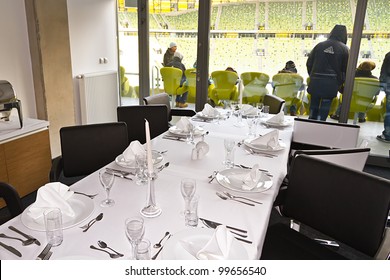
254,87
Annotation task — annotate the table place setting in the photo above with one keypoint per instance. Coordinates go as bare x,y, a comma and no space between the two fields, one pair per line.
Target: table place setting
204,244
208,114
268,142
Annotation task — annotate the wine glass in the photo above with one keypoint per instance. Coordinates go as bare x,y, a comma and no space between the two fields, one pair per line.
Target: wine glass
190,136
188,188
107,180
135,230
229,152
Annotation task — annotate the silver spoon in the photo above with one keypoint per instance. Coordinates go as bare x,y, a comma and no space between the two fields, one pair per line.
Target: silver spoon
113,256
24,242
103,245
158,245
163,166
91,222
227,198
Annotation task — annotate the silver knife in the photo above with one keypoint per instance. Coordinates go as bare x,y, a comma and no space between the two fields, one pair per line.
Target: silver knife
25,235
45,251
124,173
213,224
11,249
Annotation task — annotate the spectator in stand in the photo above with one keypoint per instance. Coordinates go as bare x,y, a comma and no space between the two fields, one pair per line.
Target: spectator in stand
168,56
290,68
177,63
326,66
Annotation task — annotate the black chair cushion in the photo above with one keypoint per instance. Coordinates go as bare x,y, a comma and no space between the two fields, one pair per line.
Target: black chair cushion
284,243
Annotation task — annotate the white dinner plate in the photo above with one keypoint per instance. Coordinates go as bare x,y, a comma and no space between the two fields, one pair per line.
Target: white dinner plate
82,206
174,130
247,142
226,179
207,117
285,123
173,250
120,160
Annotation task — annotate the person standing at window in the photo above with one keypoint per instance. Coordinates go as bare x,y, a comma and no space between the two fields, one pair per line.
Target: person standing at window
384,78
168,56
326,66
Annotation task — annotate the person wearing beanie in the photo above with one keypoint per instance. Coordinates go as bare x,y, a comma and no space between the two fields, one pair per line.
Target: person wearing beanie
168,56
177,63
290,68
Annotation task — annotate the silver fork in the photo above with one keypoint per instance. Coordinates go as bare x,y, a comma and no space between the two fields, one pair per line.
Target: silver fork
88,195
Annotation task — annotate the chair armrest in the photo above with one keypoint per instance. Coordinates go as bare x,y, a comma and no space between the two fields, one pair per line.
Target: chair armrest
56,169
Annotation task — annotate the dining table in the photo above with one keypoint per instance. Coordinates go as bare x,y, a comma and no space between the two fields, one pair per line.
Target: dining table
130,198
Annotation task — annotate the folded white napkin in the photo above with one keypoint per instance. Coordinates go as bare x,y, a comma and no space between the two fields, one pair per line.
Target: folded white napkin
209,111
277,119
184,124
200,150
135,148
218,247
52,195
269,140
247,109
249,180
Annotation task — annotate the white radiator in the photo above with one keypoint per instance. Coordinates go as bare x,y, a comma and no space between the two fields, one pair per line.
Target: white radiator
99,97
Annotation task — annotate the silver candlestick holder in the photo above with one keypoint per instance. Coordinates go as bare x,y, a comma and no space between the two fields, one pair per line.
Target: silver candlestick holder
151,210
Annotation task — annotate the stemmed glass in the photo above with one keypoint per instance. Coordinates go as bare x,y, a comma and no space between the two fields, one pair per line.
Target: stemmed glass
187,188
107,180
190,136
135,230
229,152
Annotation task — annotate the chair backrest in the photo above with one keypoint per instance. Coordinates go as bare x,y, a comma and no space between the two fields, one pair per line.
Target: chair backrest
313,134
86,148
287,85
159,99
171,77
11,198
225,84
254,86
191,83
275,103
345,204
364,91
354,158
134,117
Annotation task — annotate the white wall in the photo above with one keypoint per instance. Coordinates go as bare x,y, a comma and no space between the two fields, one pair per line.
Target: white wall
92,31
15,61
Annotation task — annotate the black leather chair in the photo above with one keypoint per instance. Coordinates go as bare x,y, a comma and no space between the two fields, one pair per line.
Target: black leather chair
134,117
12,200
163,99
274,102
345,204
87,148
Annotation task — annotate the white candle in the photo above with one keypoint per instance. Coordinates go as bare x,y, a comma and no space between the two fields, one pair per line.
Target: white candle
148,147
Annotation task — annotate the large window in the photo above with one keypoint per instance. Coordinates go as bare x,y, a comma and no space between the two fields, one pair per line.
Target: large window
256,36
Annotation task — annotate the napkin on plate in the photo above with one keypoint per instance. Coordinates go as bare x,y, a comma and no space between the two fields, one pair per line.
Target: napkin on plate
218,247
209,111
52,195
269,140
251,179
277,119
247,109
184,124
135,148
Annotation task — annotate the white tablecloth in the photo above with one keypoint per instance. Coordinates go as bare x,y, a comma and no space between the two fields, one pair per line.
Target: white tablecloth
130,198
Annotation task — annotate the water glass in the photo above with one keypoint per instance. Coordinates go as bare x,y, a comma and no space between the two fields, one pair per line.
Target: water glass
143,250
229,152
190,136
187,188
107,180
141,168
191,212
265,111
53,226
135,230
252,123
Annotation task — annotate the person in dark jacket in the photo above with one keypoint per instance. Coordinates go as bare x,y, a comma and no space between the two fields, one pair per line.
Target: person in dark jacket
384,78
176,62
326,66
168,56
